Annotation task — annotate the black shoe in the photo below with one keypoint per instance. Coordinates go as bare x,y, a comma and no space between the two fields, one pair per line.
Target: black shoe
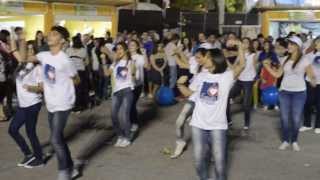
26,160
35,163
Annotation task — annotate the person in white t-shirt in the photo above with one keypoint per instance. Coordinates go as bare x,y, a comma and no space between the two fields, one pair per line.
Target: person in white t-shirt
59,80
292,91
246,81
187,109
169,50
209,121
139,61
122,72
29,89
79,57
313,93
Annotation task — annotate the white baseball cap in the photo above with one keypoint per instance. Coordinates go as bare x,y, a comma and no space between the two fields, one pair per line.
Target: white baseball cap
296,40
206,46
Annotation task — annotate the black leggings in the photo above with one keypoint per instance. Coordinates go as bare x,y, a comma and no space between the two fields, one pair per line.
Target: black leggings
313,100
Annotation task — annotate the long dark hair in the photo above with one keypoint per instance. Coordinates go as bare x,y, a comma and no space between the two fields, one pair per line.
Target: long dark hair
126,49
251,49
76,42
36,38
300,54
138,46
218,60
189,46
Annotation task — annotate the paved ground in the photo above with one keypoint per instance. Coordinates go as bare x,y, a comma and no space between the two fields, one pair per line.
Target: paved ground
252,156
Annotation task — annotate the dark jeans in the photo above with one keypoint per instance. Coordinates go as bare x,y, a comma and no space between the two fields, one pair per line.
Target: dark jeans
82,91
57,123
134,112
291,109
246,87
313,100
217,141
28,117
120,112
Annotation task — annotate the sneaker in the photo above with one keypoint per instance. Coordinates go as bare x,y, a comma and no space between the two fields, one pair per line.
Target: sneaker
265,108
35,163
276,108
317,130
179,149
295,146
26,160
246,128
150,96
304,128
119,141
125,143
284,146
75,173
134,128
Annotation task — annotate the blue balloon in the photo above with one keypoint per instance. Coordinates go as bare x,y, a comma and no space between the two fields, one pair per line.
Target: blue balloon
270,96
165,96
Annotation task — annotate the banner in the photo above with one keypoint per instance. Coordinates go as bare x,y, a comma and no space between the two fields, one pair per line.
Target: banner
83,10
11,6
302,16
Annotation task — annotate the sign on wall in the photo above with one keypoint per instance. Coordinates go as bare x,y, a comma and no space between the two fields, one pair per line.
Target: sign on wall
83,10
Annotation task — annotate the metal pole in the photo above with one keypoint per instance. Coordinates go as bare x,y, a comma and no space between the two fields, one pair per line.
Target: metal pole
221,4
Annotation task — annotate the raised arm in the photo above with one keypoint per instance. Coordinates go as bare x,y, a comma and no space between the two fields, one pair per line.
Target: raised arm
276,72
238,67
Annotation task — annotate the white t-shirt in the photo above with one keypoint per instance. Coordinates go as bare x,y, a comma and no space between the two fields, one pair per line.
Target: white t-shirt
315,63
139,61
249,72
212,91
77,57
32,78
59,90
294,79
193,65
2,70
169,51
95,60
122,75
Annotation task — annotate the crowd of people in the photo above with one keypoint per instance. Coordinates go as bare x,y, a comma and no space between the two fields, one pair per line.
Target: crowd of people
209,72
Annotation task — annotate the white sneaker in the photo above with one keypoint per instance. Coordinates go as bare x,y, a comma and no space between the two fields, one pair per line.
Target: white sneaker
265,108
304,128
295,146
276,108
179,149
125,143
134,128
246,128
317,130
119,142
284,146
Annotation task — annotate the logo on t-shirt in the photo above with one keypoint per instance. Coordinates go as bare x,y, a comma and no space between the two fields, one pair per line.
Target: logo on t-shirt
316,61
209,92
50,73
122,73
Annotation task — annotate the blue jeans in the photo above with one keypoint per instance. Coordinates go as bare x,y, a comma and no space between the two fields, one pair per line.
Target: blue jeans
120,112
27,116
216,140
313,100
173,76
291,109
57,123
